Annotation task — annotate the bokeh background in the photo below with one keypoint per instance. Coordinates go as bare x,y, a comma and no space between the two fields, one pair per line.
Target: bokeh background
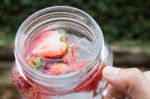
125,25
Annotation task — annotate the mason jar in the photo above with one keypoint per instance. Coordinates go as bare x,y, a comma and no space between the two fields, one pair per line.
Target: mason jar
87,82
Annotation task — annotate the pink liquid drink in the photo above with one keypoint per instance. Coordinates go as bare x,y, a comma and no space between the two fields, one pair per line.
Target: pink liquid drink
60,54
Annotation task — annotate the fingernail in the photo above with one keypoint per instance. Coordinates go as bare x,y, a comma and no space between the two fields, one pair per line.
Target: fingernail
110,72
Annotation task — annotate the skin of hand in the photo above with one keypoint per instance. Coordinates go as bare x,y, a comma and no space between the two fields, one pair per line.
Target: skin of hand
123,83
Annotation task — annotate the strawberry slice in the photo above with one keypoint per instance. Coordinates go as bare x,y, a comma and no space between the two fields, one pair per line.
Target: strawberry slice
58,68
35,62
70,59
49,45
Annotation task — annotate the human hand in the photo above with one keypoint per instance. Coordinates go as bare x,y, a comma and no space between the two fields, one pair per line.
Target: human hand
126,83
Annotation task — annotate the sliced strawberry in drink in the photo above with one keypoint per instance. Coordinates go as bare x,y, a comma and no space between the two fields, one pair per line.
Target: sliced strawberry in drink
35,62
92,82
58,68
70,59
20,82
49,45
26,87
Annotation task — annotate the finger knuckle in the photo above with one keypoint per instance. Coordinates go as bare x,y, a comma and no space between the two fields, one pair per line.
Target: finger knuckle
135,73
135,70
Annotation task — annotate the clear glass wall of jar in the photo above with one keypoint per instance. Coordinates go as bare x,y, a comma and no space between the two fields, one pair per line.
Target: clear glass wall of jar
84,84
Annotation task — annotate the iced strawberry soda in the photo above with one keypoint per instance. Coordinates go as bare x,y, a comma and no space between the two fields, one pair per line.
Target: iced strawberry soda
60,53
56,52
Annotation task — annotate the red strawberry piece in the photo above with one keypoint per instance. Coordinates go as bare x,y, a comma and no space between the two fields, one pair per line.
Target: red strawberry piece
92,82
35,62
20,82
58,68
49,45
70,59
77,65
25,86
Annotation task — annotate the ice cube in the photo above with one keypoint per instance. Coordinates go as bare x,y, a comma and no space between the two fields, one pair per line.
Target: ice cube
72,39
61,30
84,50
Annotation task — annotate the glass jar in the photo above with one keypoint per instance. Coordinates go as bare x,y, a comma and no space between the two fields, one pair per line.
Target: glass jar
85,83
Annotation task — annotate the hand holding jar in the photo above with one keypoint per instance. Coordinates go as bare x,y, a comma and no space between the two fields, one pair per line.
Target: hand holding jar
123,83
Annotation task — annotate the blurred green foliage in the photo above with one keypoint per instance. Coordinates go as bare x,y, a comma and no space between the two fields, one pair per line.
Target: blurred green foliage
119,19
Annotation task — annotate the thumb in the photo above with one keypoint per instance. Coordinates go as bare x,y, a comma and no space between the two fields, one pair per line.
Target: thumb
131,82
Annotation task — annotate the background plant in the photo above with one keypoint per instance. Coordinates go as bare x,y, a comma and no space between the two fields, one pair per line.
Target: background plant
119,19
